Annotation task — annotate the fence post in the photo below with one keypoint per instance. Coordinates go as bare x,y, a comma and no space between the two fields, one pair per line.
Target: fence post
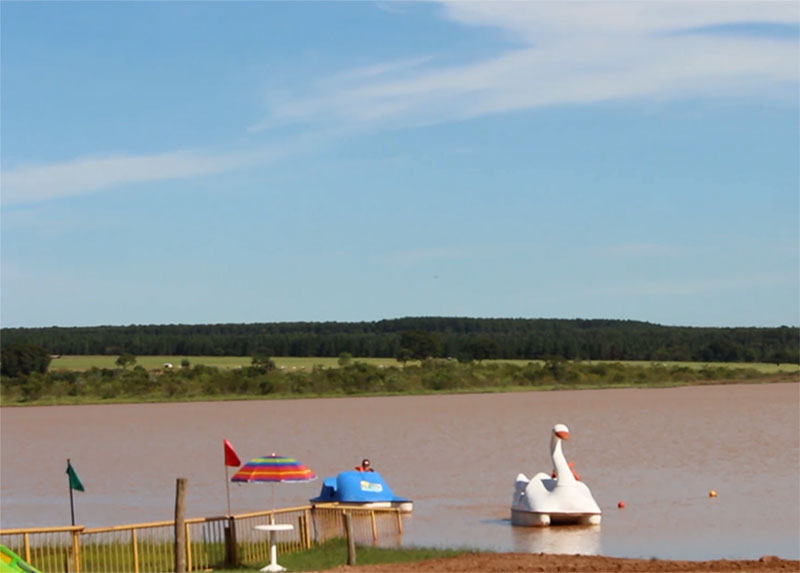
231,553
135,544
180,529
26,545
76,551
307,523
188,542
351,538
301,529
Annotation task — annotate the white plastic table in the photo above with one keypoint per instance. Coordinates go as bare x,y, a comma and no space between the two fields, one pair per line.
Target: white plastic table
273,551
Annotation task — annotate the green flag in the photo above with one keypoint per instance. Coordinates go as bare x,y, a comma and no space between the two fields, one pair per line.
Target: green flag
74,480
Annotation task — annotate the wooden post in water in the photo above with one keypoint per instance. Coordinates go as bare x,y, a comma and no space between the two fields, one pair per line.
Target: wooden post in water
180,529
351,538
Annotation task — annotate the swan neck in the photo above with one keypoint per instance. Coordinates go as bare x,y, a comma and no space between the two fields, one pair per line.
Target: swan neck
563,470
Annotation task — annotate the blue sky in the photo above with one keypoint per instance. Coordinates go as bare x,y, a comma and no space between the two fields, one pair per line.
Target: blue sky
200,162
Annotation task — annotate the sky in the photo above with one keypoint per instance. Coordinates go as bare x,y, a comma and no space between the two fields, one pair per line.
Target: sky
244,162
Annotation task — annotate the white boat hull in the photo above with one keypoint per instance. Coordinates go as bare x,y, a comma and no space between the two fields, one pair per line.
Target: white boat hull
403,506
536,519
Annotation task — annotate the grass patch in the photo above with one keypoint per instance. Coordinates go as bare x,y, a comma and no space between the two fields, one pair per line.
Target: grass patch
85,362
334,553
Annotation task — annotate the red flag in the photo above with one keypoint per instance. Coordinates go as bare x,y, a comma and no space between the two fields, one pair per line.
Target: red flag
231,459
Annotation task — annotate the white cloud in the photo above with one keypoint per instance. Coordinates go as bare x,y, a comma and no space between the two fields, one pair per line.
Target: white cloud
568,53
534,22
383,69
34,183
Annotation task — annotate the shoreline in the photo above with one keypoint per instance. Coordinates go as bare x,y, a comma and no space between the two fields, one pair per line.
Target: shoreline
504,562
776,378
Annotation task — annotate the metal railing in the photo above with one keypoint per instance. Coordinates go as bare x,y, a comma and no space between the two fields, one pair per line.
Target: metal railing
211,542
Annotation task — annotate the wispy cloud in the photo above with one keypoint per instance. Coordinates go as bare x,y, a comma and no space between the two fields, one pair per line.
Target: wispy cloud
332,97
571,53
534,21
390,7
565,53
382,69
35,183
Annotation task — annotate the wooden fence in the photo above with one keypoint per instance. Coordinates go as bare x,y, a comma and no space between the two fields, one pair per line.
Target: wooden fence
211,542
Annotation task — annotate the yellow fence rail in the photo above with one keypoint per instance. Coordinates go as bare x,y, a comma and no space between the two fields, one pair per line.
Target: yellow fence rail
211,542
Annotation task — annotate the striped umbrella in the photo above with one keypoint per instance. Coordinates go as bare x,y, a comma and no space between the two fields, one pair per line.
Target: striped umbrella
273,469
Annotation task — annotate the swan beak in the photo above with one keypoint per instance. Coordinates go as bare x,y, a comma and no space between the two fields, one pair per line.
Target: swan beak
563,435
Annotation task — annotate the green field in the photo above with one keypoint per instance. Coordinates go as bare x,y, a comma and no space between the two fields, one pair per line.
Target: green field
157,362
79,363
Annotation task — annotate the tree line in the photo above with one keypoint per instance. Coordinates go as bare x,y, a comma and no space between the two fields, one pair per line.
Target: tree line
427,337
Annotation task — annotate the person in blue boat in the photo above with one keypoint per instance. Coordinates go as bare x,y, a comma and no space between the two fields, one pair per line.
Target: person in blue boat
365,466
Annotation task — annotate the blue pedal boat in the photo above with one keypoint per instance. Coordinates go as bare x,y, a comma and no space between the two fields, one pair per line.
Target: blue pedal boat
365,489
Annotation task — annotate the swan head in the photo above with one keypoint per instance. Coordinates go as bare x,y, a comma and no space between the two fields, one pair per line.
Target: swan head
561,431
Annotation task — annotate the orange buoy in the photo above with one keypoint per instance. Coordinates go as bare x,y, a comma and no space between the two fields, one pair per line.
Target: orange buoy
712,493
621,504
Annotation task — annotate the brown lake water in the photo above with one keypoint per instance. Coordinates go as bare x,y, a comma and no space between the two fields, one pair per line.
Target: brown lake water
659,450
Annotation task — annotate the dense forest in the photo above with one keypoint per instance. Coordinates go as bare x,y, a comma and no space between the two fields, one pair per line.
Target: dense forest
421,337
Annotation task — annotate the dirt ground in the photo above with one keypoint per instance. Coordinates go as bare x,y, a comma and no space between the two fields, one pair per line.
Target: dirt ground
502,562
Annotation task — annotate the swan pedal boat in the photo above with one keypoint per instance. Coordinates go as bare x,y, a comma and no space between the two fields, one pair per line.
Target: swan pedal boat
361,489
547,500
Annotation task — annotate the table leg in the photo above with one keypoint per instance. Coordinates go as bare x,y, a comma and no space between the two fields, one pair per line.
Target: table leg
273,555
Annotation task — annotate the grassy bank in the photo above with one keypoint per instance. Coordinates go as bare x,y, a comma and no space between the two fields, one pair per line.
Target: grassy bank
277,379
334,553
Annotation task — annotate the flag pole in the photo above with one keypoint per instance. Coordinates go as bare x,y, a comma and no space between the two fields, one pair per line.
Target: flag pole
231,459
71,504
228,489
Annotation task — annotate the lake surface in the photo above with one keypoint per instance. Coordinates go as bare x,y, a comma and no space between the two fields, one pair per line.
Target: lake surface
659,450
